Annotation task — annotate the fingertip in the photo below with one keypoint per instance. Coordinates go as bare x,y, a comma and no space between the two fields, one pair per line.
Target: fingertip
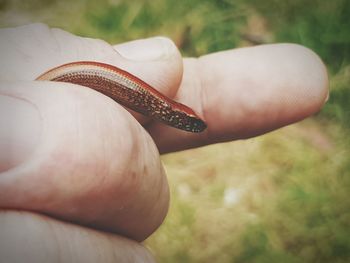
148,49
319,77
155,60
313,73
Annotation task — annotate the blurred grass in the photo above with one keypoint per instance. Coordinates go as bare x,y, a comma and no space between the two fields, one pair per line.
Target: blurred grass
281,197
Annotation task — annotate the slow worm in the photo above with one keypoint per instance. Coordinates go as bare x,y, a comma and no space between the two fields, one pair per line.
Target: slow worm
129,91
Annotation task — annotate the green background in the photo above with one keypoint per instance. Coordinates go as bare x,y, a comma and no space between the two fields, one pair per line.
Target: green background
281,197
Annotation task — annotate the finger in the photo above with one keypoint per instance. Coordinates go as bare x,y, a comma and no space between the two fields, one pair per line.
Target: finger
246,92
28,51
85,160
157,61
26,237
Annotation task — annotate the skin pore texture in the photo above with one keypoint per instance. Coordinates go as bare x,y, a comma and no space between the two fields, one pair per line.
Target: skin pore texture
86,173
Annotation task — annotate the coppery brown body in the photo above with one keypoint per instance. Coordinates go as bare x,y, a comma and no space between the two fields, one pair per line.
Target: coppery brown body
127,90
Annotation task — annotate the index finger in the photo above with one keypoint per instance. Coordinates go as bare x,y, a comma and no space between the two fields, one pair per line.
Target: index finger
247,92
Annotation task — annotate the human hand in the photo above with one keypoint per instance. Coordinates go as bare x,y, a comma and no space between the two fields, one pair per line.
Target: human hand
75,155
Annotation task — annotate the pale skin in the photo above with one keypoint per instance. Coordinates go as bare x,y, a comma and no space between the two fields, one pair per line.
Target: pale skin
73,162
